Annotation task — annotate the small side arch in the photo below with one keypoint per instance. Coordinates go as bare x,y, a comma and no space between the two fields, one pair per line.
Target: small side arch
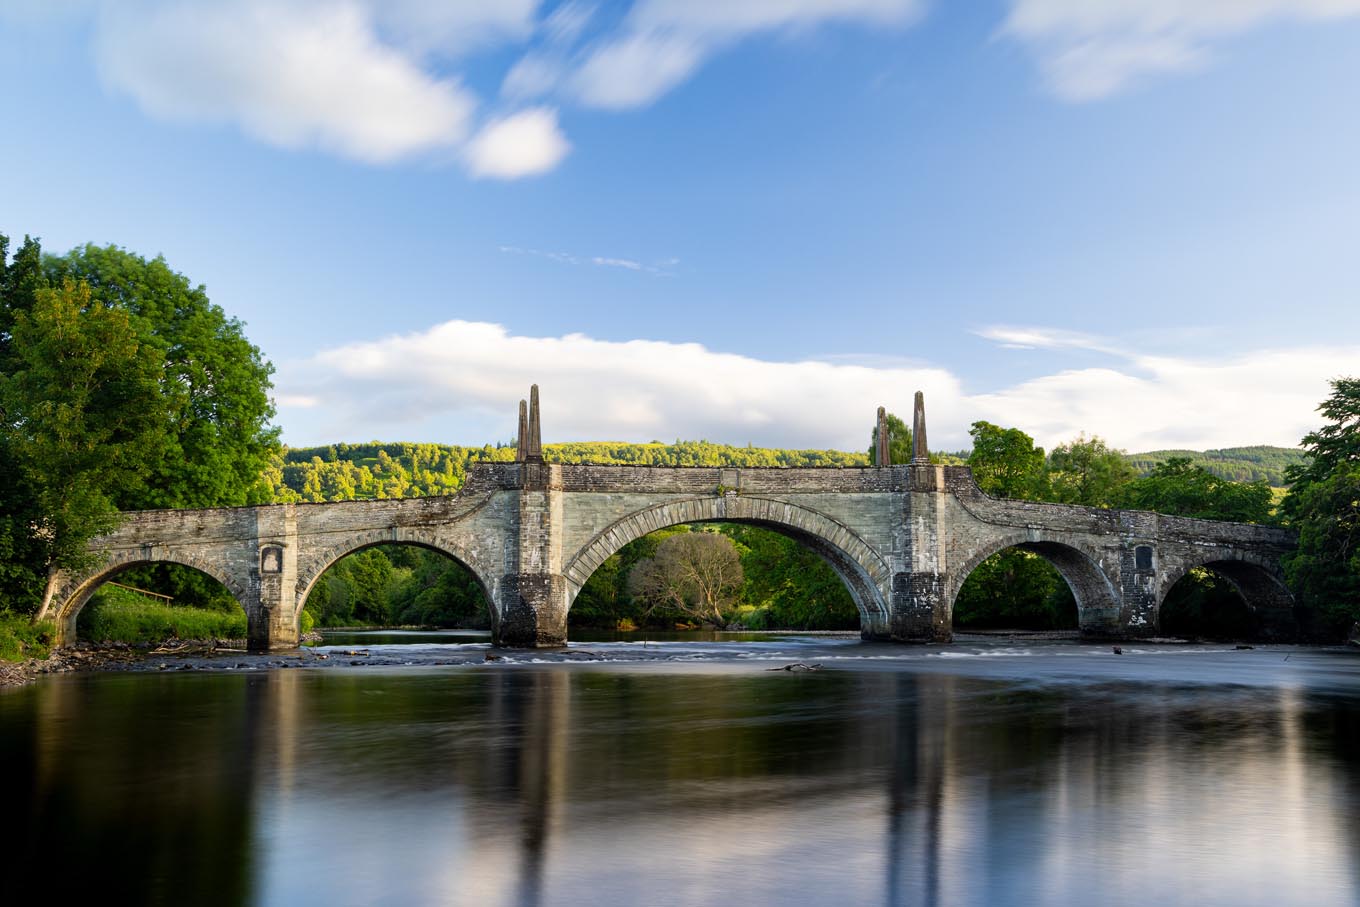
1259,580
73,595
865,573
1096,594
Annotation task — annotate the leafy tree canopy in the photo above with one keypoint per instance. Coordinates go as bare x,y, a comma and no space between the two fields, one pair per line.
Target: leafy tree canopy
1323,504
79,402
214,383
1006,463
1086,471
1180,488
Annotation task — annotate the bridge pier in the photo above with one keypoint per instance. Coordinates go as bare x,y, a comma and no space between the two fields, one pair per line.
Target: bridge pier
272,617
533,612
534,598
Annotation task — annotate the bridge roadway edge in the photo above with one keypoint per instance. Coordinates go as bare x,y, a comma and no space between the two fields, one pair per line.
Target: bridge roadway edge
903,538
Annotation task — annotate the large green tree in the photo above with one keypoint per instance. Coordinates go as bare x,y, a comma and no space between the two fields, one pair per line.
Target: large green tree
79,402
1006,464
214,383
1323,504
1086,471
1180,488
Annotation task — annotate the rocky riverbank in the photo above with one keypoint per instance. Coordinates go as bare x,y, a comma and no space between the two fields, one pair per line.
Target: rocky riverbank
84,656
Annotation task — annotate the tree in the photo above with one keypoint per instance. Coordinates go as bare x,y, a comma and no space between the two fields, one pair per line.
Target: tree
214,383
79,403
1006,463
899,442
1180,488
1323,504
694,573
1086,471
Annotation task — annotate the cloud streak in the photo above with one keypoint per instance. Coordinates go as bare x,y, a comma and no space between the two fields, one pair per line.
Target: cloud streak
459,381
1091,49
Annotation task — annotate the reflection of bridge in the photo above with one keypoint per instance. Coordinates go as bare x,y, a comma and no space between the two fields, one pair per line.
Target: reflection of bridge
903,538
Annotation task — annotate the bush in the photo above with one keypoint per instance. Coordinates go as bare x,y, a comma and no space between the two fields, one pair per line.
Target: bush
21,639
117,615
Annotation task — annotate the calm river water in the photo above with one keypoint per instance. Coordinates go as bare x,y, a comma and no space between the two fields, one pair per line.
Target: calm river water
687,772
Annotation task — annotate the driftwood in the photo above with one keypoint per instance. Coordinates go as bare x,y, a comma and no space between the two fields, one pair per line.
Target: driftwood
797,666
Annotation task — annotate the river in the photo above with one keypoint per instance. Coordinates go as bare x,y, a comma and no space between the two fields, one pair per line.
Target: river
686,771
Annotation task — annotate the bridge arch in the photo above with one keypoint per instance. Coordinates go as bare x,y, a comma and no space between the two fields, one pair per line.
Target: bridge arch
1257,579
866,575
1098,598
314,564
75,594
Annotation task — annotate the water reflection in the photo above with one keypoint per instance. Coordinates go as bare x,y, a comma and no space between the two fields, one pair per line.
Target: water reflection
718,782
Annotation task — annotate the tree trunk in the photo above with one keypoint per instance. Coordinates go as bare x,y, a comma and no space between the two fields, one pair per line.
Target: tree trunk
48,592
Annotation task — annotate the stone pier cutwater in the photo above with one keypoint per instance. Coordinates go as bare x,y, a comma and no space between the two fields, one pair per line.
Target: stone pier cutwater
902,537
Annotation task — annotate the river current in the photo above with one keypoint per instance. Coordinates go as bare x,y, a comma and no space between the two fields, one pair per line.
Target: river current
408,769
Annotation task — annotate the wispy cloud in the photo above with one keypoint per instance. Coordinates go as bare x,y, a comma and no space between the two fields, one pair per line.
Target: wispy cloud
663,268
1044,338
662,43
460,380
1090,49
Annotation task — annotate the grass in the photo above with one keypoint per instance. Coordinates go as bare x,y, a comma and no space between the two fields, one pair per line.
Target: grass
21,639
118,615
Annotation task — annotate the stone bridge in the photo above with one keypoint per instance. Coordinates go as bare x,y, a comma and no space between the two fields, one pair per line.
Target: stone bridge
903,538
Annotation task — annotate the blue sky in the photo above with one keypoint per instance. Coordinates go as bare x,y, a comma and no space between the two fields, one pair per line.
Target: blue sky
748,221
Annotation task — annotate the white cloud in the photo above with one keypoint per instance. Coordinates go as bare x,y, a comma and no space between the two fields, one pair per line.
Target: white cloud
522,144
468,376
1090,49
636,69
1041,338
459,381
292,74
663,42
663,268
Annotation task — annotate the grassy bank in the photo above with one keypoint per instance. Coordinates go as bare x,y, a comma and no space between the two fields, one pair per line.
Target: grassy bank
118,615
21,639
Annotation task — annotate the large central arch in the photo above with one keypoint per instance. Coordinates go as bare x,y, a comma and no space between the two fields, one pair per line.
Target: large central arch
865,574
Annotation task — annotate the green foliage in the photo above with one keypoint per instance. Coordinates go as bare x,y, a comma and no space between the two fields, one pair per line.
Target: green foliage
1180,488
1015,589
397,585
1006,464
345,472
788,585
1261,463
78,401
120,615
1086,471
899,442
215,440
21,638
785,586
1323,504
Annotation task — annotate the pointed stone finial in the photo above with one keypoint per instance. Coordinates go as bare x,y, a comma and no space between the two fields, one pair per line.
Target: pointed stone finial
523,436
919,452
533,450
882,453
